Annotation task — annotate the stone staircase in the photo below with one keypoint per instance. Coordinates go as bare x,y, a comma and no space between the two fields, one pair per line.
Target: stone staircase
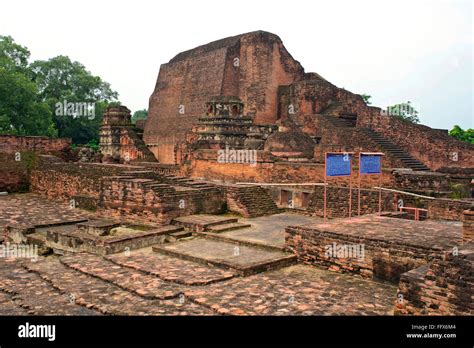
250,201
395,151
340,122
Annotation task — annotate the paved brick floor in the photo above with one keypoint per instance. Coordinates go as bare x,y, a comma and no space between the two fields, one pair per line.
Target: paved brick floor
298,290
170,268
236,256
268,230
436,234
29,209
89,285
143,282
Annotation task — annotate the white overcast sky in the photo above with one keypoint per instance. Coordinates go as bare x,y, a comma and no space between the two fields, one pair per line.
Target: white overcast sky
396,51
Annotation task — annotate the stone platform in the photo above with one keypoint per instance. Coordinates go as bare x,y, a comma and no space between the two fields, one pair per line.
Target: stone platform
266,231
244,260
202,222
73,239
29,210
388,247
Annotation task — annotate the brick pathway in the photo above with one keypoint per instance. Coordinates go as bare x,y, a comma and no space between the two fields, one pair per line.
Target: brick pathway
298,290
144,282
105,297
28,294
169,268
28,209
144,285
99,286
244,259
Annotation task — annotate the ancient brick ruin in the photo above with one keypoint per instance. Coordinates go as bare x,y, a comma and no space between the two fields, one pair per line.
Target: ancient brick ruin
120,140
215,203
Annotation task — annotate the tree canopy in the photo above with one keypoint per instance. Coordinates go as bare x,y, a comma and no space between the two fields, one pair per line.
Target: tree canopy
22,112
139,115
461,134
32,94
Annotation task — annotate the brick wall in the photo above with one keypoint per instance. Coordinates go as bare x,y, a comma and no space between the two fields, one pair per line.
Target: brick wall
66,180
140,199
430,146
193,77
448,209
14,175
267,172
468,225
443,287
382,259
14,143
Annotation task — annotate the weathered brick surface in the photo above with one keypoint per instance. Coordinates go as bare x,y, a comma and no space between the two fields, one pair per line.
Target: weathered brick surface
263,65
119,140
29,295
18,155
105,297
14,175
169,268
14,143
447,209
391,246
146,199
276,172
430,146
249,201
443,287
468,225
66,180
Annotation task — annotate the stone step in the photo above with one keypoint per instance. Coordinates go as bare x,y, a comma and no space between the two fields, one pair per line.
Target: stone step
99,294
227,227
225,237
244,260
395,151
170,269
199,223
30,295
181,234
144,285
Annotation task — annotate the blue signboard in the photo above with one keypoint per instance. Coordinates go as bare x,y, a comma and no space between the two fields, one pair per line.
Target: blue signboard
370,163
338,164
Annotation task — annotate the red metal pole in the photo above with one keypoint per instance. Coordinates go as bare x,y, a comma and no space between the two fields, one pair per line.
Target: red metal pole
380,194
358,193
350,192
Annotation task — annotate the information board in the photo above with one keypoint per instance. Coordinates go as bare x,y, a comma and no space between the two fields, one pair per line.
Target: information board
338,164
370,163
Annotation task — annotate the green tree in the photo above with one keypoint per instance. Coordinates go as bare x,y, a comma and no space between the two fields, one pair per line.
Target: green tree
13,57
366,98
61,81
404,111
21,111
461,134
139,115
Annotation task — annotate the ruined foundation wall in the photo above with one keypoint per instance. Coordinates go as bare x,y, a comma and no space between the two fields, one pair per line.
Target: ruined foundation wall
66,180
382,259
15,171
443,287
14,175
268,172
143,200
14,143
